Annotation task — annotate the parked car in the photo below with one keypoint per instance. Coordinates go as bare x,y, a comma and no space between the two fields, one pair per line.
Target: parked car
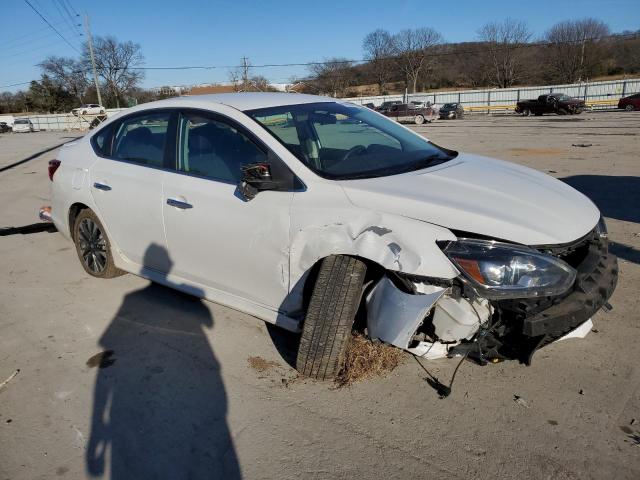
451,110
4,128
311,222
630,103
551,103
404,112
8,119
23,125
89,109
387,105
369,105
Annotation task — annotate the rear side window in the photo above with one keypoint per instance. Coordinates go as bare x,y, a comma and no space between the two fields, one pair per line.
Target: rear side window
141,139
214,149
102,141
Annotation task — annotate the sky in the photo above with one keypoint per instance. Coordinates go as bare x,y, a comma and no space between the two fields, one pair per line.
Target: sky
220,32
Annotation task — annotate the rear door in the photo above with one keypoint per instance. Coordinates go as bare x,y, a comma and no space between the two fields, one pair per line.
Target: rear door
214,236
126,184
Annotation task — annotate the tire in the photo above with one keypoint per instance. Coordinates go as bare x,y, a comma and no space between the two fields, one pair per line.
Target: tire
526,112
330,315
629,108
93,246
418,119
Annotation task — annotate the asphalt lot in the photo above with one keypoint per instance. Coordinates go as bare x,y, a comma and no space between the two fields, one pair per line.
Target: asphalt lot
198,363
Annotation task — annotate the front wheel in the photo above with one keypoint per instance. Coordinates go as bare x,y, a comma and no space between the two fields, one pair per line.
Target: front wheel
93,246
629,108
419,119
330,315
526,112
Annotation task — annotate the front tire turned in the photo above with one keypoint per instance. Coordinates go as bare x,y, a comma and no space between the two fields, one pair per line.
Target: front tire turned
330,315
93,246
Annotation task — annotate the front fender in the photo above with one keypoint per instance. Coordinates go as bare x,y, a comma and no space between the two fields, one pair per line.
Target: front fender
396,243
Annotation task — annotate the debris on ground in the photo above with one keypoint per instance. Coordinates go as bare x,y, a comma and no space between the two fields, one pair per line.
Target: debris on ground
261,365
581,392
583,145
366,359
520,401
11,377
632,422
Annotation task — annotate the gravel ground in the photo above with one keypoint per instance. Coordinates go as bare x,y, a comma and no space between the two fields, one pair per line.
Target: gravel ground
226,402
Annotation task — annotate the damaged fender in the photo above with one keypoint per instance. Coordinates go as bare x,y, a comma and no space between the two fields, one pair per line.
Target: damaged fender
396,243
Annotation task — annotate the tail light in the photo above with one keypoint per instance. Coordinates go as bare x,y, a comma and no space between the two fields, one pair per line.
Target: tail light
53,166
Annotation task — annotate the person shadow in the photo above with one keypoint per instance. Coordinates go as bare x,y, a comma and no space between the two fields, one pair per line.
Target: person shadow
160,406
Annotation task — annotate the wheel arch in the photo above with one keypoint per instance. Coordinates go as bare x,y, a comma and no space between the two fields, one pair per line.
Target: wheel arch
74,211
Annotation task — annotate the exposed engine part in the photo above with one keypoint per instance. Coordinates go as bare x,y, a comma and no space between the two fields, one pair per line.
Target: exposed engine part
458,318
393,316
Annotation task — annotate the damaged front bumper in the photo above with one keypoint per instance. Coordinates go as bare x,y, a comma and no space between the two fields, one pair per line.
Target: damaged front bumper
437,321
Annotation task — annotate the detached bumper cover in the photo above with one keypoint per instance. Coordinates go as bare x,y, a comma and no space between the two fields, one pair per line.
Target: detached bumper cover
596,280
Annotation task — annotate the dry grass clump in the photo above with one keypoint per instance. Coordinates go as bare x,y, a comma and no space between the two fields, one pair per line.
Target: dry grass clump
365,359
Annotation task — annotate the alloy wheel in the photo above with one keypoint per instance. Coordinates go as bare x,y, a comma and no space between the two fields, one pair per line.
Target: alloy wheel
93,245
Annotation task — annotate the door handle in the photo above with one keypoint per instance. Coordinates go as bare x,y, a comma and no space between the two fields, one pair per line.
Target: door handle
101,186
178,204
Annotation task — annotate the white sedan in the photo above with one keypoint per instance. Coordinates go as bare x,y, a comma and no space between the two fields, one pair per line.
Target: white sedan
23,125
312,213
89,109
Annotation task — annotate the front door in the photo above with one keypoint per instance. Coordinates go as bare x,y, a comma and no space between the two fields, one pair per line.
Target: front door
214,236
127,188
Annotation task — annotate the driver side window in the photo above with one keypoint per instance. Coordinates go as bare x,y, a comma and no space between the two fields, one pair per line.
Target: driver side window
214,149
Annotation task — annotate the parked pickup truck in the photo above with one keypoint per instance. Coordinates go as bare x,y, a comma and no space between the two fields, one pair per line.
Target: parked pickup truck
551,103
408,112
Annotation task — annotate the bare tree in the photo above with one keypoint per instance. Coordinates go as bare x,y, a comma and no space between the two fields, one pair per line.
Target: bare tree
378,50
333,75
412,50
68,73
504,41
116,64
574,48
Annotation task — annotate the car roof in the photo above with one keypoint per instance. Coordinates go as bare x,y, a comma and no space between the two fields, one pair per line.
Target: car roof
241,101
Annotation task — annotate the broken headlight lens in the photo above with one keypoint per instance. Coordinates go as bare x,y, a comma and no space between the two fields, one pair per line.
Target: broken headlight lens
502,270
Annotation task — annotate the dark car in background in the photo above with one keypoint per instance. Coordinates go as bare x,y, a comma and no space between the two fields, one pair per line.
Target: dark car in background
387,105
4,127
558,103
630,103
451,110
407,112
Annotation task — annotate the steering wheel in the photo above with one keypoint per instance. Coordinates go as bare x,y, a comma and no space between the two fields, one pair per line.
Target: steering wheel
353,151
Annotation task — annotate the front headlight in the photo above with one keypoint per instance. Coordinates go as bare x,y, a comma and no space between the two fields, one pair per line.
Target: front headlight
501,270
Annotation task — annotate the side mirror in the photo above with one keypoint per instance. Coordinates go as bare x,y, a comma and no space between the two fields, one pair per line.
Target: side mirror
257,177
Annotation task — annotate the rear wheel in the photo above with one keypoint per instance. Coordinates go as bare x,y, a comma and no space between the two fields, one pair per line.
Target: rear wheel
419,119
93,247
330,315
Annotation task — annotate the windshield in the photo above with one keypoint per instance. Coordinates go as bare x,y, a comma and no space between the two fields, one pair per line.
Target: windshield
449,105
346,141
22,122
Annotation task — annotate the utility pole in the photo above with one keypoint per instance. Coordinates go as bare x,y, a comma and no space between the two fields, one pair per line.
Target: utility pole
245,72
93,60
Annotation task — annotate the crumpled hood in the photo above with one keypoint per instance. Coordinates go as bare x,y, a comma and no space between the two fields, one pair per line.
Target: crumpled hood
483,196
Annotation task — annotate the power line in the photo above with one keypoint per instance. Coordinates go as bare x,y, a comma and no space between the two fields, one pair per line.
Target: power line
52,27
357,61
30,33
31,41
